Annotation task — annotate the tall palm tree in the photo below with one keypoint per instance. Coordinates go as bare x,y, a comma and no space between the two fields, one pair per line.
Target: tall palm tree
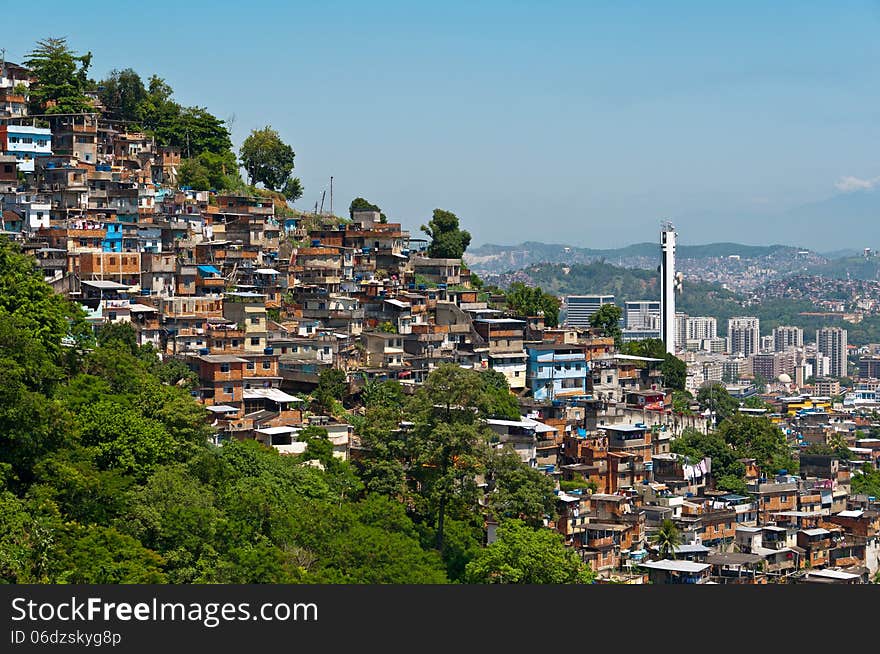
667,539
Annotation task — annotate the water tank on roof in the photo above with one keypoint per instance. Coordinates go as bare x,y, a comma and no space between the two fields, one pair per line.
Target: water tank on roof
268,350
316,242
204,350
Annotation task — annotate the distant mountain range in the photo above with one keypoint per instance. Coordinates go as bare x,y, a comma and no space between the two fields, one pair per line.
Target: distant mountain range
494,259
838,227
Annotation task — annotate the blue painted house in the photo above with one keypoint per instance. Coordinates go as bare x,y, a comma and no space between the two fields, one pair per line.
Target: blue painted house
556,371
113,240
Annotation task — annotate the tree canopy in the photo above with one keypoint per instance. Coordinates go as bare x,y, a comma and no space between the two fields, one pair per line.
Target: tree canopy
448,241
715,398
123,93
269,161
523,555
607,319
61,78
532,301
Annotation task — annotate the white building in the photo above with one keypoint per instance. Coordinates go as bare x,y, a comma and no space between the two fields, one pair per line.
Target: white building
642,315
743,335
668,284
831,342
785,337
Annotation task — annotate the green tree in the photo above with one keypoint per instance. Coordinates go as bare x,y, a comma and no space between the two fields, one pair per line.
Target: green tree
332,385
102,555
607,319
759,439
266,158
382,394
667,539
727,469
653,348
532,301
61,78
497,400
716,399
292,189
517,490
522,555
674,372
193,174
30,303
447,240
866,481
445,440
124,439
756,402
682,401
27,541
123,93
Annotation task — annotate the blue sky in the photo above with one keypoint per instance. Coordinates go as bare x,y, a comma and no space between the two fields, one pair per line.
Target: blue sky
575,122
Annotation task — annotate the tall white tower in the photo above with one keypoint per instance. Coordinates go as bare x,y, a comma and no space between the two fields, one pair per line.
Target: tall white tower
668,282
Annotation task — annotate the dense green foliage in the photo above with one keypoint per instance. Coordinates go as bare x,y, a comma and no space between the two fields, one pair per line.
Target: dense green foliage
607,320
62,78
738,437
532,301
269,161
332,385
448,241
523,555
867,482
122,93
716,399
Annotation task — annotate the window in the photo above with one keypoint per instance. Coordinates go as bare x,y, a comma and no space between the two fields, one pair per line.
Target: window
251,365
227,390
255,340
267,365
255,320
234,342
224,367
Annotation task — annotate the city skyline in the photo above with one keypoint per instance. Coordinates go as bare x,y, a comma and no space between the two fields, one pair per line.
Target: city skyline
726,121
